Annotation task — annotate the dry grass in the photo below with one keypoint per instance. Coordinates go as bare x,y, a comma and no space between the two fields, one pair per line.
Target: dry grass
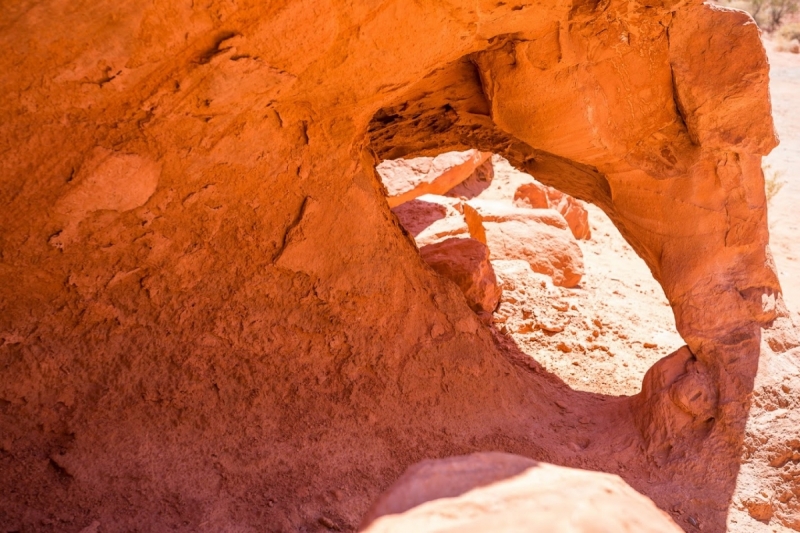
773,182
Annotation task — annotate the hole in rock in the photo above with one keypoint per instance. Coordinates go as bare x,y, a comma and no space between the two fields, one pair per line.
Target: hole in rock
549,271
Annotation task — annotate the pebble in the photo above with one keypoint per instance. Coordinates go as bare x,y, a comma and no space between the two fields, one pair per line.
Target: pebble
551,328
560,306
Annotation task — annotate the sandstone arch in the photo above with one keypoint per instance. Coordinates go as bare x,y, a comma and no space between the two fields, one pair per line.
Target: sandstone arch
256,345
680,175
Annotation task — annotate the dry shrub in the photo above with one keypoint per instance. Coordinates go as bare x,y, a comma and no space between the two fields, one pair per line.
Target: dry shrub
769,14
790,32
792,46
773,182
788,38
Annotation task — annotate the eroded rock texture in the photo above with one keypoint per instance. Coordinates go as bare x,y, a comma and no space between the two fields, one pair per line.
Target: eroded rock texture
210,319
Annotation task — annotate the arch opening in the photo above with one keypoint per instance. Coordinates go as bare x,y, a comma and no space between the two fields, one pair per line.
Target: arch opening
554,274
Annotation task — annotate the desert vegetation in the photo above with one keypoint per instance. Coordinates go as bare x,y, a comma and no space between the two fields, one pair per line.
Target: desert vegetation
773,182
777,18
771,15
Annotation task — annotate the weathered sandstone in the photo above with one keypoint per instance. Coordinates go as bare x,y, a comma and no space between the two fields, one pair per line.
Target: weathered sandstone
540,196
431,218
466,263
211,320
540,236
406,179
476,183
548,250
508,493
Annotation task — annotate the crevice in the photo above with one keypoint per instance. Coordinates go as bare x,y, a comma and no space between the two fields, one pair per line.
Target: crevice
61,473
292,225
207,55
304,131
679,109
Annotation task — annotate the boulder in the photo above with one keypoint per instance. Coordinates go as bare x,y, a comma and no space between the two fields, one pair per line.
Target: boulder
574,211
501,492
431,218
548,250
406,179
533,194
466,263
476,183
539,236
577,217
499,211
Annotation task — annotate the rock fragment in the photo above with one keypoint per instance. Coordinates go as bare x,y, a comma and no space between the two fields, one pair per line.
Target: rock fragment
432,218
406,179
538,236
466,263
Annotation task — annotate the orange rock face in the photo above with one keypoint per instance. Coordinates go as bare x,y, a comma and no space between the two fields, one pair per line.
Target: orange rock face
539,236
431,218
211,320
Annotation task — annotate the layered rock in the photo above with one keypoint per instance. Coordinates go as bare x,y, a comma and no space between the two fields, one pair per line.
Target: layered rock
431,218
540,196
510,232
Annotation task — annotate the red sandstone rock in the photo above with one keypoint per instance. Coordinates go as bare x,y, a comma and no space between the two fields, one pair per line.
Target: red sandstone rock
475,184
539,236
431,218
574,212
496,211
238,336
534,195
740,116
406,179
547,250
466,263
577,217
508,493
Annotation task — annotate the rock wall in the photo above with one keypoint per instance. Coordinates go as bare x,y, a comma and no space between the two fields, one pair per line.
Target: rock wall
210,319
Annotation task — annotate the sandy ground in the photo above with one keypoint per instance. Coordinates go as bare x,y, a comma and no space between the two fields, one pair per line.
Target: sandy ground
618,323
784,210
